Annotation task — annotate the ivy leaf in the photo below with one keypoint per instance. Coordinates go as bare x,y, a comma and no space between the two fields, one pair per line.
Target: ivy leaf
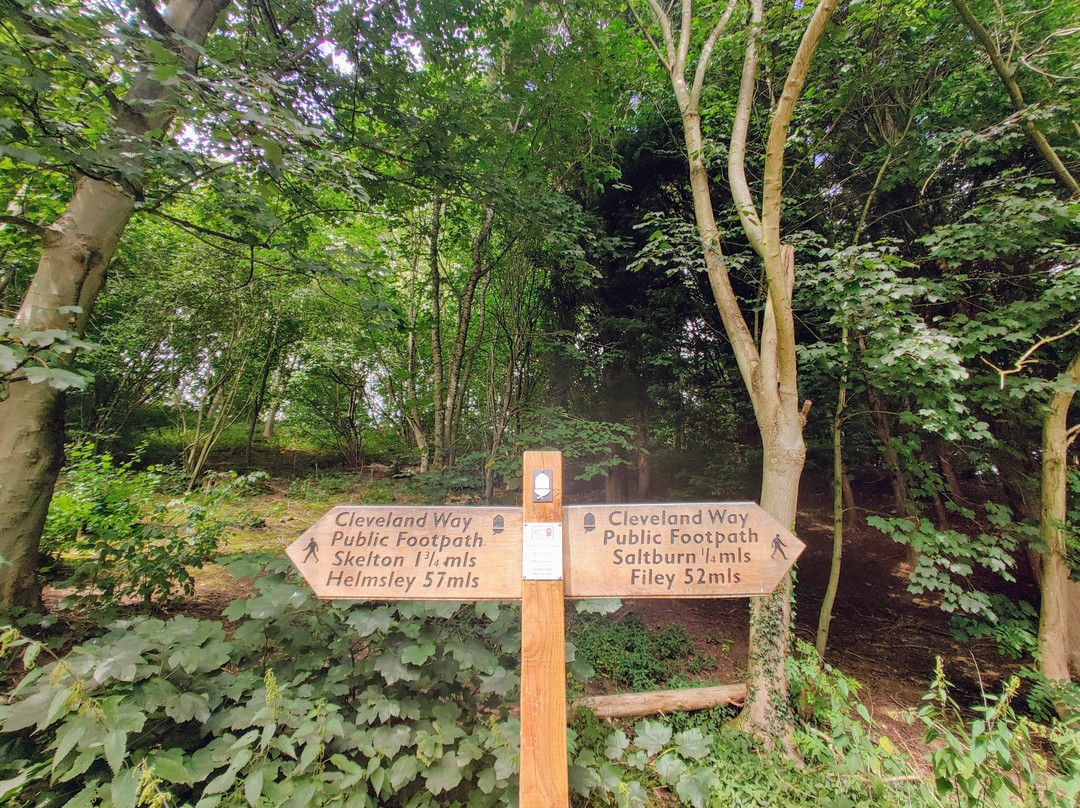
652,736
444,775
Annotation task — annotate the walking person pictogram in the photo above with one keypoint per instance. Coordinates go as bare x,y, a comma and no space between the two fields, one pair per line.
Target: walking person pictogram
312,552
776,547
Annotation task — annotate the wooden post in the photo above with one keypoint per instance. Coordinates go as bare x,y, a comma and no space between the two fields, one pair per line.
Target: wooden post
544,773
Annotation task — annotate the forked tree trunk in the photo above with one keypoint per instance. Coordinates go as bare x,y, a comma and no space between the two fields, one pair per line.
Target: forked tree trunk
769,371
75,253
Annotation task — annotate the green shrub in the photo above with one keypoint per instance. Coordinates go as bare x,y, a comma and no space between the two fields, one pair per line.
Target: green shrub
630,652
108,523
1014,627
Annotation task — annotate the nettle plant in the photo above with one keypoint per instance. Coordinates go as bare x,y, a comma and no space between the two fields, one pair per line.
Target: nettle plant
304,702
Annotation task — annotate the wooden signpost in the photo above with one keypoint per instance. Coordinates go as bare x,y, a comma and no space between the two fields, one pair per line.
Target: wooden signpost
541,554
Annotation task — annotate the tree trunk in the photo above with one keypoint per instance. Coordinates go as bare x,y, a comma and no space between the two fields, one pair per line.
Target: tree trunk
454,371
438,447
1059,651
633,705
271,417
75,253
825,615
644,469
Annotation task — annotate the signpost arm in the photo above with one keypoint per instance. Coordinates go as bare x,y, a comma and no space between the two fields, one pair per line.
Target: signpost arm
543,781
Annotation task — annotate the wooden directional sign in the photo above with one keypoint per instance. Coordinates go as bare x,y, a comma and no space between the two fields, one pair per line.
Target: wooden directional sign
412,553
672,550
675,550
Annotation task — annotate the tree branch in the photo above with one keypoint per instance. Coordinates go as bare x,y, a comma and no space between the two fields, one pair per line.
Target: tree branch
740,188
1026,359
1008,79
22,221
706,52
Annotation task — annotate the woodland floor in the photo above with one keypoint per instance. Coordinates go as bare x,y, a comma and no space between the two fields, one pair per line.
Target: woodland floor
881,635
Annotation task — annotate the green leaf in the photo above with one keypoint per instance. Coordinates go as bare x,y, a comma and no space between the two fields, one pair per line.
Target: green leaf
418,654
500,682
692,743
11,788
652,736
616,744
116,749
253,787
58,378
598,605
169,765
67,736
403,771
369,621
444,775
125,789
670,768
188,706
697,788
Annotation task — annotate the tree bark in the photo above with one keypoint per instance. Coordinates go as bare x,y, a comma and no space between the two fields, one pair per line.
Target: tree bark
438,447
75,253
632,705
825,615
1059,649
769,371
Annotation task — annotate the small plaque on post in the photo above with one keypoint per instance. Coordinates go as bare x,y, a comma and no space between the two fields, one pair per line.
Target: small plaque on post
541,552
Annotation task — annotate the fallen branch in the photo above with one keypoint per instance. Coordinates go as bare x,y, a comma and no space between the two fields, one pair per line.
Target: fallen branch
628,705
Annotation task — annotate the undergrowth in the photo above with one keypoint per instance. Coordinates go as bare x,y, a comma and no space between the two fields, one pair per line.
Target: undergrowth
630,653
305,703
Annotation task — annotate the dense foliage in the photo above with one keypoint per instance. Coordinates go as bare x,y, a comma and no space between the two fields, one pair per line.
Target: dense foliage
428,236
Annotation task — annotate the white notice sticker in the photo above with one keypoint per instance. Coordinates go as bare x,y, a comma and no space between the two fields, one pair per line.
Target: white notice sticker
541,552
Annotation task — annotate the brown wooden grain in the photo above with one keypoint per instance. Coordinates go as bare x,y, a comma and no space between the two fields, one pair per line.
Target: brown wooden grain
543,782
